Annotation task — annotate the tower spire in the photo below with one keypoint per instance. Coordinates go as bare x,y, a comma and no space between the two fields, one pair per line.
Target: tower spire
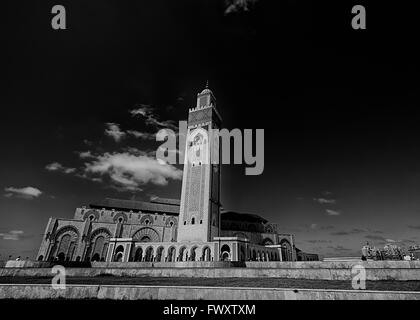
207,84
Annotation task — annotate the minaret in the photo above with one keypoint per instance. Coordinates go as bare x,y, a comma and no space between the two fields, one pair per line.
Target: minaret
200,197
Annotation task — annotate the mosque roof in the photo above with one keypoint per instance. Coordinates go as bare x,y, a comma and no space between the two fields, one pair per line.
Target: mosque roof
238,216
168,206
157,205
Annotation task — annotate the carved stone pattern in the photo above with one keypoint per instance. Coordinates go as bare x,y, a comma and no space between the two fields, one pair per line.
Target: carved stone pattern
200,116
194,192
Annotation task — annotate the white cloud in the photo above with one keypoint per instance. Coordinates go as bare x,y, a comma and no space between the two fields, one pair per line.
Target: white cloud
85,154
113,130
325,201
313,226
333,212
147,112
26,193
142,135
55,166
238,5
12,235
129,171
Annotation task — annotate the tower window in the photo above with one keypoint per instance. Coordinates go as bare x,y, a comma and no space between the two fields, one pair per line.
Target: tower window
193,220
201,221
185,222
120,220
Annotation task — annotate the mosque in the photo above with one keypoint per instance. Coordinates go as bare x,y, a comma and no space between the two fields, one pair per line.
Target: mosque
194,228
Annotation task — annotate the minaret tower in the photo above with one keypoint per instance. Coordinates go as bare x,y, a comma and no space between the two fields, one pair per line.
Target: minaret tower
200,198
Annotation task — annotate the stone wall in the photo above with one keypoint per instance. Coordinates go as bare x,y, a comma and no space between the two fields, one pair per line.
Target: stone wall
182,264
375,270
194,293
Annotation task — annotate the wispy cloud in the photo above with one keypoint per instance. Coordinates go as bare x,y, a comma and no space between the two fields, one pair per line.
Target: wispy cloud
325,201
12,235
55,166
349,232
28,193
318,241
85,154
142,135
332,212
339,248
147,113
375,238
113,130
238,5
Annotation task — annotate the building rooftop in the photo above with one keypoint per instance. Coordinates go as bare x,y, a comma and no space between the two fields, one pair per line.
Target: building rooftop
158,205
237,216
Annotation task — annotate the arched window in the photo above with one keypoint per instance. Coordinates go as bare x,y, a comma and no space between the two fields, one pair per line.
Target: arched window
193,220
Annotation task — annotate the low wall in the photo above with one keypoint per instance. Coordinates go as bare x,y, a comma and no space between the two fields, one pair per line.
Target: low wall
46,264
375,270
391,264
182,264
194,293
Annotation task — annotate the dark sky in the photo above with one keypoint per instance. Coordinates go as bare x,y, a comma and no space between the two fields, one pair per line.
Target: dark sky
339,108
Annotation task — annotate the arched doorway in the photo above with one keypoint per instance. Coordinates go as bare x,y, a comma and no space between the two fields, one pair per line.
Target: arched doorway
286,250
193,253
138,255
149,254
119,252
243,254
65,242
171,254
206,254
61,256
159,254
182,254
225,253
96,257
